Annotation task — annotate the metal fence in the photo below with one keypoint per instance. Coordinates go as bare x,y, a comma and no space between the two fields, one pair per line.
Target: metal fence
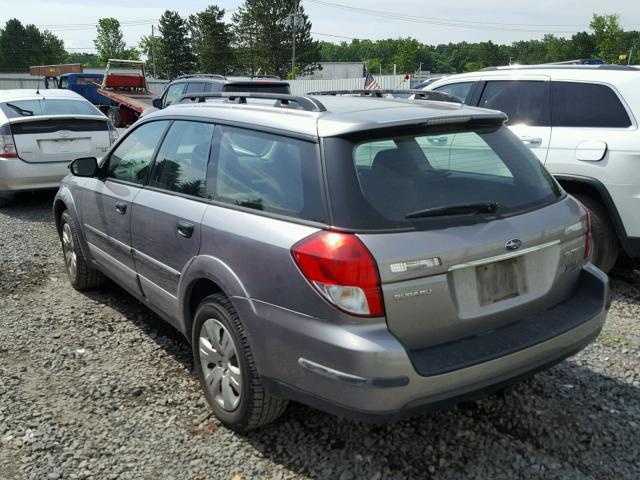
298,87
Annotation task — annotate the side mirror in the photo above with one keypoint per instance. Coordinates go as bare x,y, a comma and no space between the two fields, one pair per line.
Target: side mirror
157,102
84,167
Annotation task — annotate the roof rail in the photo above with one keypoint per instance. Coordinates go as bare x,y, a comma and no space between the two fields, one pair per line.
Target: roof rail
417,94
625,68
201,75
304,103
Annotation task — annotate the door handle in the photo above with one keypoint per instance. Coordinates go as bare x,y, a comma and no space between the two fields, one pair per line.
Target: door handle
531,140
185,229
121,208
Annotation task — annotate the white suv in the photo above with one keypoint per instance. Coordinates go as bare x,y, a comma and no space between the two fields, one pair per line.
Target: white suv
582,123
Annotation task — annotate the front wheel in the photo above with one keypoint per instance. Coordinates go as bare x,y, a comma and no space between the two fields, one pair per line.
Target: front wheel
226,370
81,275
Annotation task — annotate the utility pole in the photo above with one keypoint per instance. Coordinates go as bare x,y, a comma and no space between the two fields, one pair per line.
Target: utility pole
153,49
294,21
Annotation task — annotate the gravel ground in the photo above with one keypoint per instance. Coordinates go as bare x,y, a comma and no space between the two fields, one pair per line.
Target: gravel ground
93,385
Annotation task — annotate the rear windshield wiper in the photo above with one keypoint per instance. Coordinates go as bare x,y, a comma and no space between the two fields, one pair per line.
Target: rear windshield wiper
21,111
462,209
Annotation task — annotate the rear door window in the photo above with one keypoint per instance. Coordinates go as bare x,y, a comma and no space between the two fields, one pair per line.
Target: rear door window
181,163
577,104
525,102
459,90
268,172
195,87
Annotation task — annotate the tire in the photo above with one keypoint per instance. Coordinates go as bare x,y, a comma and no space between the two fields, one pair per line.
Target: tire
604,245
114,115
81,275
250,406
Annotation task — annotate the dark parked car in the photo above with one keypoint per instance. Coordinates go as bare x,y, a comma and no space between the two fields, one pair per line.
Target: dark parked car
203,83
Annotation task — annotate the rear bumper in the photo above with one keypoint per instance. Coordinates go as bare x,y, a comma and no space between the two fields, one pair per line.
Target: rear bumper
363,372
16,175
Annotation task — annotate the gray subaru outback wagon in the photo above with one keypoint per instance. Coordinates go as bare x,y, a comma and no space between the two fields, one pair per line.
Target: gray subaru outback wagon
371,257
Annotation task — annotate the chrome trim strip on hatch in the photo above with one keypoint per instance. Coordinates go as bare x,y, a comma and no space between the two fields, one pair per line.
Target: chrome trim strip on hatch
504,256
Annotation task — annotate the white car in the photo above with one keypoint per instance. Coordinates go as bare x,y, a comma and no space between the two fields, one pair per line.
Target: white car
41,132
582,123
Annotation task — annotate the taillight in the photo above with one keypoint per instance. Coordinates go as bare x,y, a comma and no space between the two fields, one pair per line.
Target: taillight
113,133
7,146
588,239
341,268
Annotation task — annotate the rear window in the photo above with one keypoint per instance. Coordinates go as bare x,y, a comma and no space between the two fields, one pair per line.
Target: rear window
587,105
263,87
268,172
375,183
34,108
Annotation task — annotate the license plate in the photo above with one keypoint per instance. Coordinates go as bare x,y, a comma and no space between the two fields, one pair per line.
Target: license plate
501,280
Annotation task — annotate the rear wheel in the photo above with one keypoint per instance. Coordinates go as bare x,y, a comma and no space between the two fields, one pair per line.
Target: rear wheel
81,275
226,370
114,116
604,247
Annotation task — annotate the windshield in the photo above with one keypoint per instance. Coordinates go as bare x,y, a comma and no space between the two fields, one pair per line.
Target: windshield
427,178
32,108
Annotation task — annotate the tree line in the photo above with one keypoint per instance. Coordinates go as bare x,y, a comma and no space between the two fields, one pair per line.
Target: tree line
258,40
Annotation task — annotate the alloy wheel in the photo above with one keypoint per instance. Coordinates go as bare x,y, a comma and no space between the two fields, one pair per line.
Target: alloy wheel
70,257
220,365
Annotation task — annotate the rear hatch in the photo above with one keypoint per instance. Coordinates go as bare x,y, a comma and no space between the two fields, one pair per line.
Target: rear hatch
57,130
468,230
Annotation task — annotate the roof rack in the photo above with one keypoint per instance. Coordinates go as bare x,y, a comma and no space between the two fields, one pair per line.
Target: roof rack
201,75
284,101
418,94
625,68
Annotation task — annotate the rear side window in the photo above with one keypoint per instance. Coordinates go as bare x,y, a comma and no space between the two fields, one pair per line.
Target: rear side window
131,159
181,163
587,105
268,172
459,90
391,178
34,108
524,101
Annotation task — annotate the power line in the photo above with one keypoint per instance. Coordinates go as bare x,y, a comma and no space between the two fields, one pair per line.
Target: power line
470,24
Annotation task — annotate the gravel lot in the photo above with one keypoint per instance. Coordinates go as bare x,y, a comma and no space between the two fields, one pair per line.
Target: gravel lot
93,385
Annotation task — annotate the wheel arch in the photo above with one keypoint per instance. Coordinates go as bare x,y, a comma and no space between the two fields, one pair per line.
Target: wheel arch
595,189
203,276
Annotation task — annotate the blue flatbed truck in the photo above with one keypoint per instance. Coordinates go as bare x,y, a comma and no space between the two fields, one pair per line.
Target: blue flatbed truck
71,77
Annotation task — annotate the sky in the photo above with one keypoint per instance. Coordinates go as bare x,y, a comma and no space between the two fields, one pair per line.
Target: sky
501,21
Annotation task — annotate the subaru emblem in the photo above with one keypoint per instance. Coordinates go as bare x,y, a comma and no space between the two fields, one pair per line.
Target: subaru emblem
513,244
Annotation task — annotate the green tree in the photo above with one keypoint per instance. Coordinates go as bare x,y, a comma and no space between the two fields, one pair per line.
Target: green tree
176,53
264,38
110,43
212,39
86,59
608,36
22,46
